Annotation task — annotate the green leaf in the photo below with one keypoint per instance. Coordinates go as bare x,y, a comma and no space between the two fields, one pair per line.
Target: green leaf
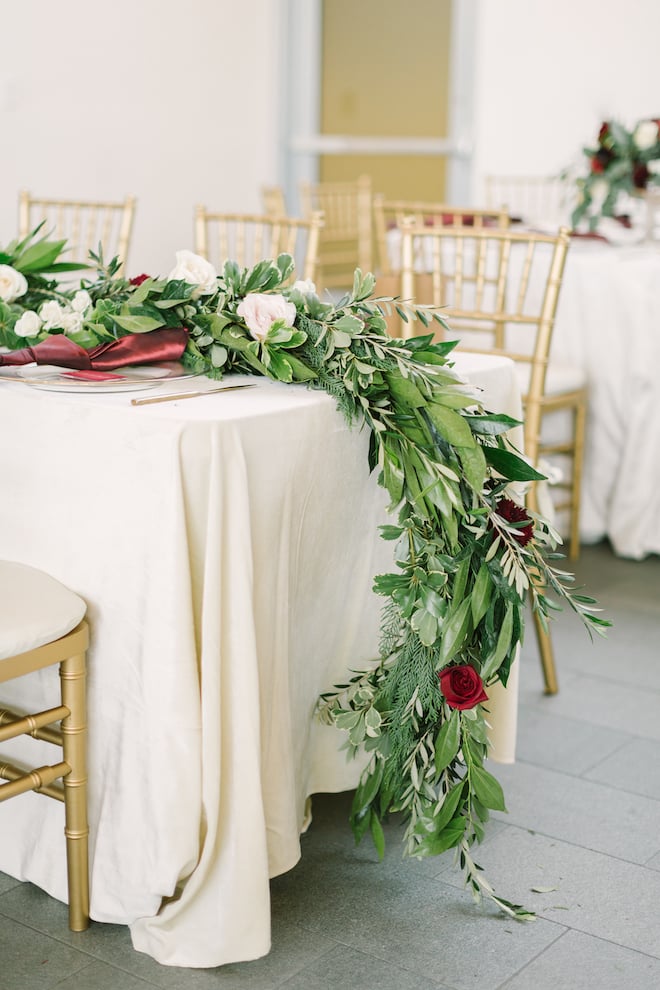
377,834
473,461
447,742
405,391
367,789
450,836
451,425
502,646
511,466
138,324
427,628
487,789
39,256
449,806
453,632
492,424
481,594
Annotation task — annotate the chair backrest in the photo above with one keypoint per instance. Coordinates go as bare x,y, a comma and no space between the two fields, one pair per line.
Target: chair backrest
388,214
498,290
546,200
84,223
273,201
346,241
248,238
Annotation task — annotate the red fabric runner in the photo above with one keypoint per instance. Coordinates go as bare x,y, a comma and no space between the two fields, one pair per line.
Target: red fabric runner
166,344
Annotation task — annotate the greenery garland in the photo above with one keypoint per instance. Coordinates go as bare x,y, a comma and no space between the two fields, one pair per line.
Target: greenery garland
466,554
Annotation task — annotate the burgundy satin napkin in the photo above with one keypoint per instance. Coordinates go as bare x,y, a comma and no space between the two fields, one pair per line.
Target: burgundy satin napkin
166,344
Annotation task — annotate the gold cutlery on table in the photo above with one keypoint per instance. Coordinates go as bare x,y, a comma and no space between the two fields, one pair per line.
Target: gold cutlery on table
189,395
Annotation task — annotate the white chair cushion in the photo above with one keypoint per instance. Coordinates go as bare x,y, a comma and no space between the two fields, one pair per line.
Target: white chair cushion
559,378
34,609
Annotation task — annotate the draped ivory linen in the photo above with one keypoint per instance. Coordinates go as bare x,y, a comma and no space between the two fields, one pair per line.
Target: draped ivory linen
226,547
608,324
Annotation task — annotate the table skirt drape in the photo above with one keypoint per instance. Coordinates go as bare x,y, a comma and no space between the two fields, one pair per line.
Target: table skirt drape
226,548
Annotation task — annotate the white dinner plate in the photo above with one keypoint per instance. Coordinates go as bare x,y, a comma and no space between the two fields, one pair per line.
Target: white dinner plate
132,378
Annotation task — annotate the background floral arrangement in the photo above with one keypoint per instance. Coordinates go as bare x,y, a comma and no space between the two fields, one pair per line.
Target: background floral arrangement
622,163
466,555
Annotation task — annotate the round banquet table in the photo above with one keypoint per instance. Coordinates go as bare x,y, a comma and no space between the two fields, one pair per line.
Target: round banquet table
226,547
608,323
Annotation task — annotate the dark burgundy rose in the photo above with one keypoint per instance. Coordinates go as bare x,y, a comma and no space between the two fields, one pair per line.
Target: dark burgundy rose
601,160
462,686
515,513
640,175
139,279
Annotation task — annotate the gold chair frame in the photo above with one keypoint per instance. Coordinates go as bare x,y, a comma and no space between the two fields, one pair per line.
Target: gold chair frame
491,304
389,214
346,241
84,223
248,238
69,652
531,198
273,201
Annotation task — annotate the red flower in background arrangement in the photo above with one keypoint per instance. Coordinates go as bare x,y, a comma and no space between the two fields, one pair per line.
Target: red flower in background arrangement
514,513
462,686
640,175
139,279
603,133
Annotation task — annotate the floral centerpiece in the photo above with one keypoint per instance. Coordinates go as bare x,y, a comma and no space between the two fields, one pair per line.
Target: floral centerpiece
622,163
465,554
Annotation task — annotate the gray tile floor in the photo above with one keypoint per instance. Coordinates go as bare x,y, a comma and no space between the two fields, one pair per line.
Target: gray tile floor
584,821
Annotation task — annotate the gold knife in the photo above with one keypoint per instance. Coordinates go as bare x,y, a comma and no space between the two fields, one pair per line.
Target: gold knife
189,395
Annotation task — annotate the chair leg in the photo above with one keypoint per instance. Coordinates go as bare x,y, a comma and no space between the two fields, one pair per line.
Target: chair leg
576,481
74,745
547,656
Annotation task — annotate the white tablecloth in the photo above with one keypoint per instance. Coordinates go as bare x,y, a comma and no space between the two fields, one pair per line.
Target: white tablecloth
226,547
608,323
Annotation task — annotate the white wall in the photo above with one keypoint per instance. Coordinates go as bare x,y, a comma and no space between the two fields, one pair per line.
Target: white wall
547,74
174,102
181,103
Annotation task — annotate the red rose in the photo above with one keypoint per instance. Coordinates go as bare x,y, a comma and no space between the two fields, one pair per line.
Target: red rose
640,176
603,132
139,279
597,165
515,513
462,686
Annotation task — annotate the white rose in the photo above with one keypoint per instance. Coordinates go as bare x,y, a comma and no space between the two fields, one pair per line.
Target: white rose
654,166
12,283
646,134
28,325
51,313
305,286
81,301
260,310
194,270
71,322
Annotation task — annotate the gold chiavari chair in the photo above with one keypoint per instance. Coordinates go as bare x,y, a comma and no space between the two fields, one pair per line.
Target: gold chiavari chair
248,238
41,625
273,201
388,214
83,223
346,241
535,199
499,292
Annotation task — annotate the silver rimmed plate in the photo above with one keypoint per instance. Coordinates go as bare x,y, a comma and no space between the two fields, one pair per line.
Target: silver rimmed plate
129,379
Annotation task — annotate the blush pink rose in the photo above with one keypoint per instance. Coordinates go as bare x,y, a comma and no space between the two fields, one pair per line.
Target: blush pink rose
259,310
